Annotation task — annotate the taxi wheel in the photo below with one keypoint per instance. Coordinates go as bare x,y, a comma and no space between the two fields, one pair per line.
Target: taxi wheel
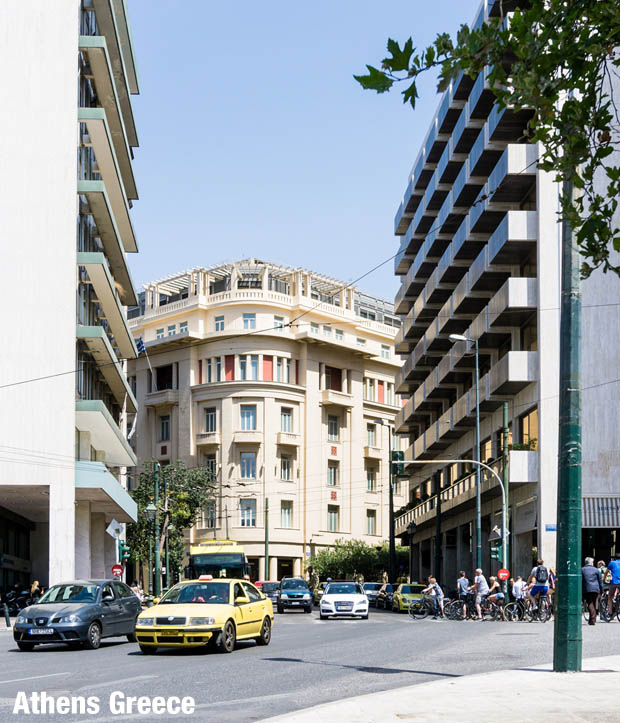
131,637
227,638
265,633
25,647
93,637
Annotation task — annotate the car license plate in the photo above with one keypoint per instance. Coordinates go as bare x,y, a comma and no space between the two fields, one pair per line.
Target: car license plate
169,632
41,631
296,603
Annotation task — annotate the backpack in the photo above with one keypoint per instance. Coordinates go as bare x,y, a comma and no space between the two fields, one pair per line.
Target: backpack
542,574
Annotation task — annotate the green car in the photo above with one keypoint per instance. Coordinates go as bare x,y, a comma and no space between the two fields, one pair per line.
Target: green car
405,594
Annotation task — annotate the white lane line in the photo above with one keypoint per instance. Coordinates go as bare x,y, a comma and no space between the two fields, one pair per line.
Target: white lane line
107,683
32,677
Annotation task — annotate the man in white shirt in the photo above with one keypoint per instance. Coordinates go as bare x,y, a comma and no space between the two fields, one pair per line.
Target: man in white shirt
481,589
519,588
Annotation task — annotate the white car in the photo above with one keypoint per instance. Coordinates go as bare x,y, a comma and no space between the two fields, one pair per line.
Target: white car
344,599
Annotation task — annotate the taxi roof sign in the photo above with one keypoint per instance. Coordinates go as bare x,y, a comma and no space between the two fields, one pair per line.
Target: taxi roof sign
206,577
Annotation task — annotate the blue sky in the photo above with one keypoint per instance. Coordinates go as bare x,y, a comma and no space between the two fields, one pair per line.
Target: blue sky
256,141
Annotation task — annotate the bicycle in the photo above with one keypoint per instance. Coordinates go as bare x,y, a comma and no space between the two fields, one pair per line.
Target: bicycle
522,609
422,607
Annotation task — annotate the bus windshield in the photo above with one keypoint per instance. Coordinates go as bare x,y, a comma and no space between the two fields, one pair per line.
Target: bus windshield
218,564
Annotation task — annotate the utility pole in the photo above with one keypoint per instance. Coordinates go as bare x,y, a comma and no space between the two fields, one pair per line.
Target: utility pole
392,553
267,538
477,459
437,564
156,535
567,618
506,480
150,558
167,523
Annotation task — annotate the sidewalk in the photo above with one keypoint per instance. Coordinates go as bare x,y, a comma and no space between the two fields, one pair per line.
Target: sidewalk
514,696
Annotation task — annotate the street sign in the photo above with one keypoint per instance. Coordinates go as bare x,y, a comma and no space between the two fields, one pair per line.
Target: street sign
115,529
117,570
503,574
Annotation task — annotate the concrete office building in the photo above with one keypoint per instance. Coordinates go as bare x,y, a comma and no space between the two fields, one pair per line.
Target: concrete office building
66,187
282,382
480,257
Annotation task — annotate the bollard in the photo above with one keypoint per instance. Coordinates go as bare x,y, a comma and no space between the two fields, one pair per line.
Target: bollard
7,617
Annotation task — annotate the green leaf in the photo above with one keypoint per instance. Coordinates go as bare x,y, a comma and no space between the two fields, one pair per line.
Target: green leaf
400,58
410,94
375,80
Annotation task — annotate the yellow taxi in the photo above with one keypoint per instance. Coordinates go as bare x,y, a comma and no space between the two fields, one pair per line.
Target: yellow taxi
206,612
405,594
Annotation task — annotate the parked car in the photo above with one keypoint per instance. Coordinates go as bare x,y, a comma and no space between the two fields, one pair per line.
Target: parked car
294,593
404,595
372,590
270,589
384,596
318,592
82,612
342,599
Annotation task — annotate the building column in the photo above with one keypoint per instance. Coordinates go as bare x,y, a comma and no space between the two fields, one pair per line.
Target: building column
273,568
261,568
82,540
97,545
297,567
62,530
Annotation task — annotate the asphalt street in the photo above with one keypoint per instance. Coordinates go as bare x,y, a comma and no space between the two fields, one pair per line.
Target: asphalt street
307,663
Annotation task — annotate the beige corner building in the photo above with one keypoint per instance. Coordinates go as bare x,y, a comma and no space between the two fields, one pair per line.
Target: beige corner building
281,381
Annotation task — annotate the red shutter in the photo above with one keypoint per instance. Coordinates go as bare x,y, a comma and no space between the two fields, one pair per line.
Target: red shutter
267,368
229,366
200,371
381,392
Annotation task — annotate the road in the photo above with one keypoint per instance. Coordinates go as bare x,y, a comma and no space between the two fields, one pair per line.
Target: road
308,662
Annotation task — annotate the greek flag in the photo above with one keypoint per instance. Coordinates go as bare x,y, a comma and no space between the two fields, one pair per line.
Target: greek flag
140,346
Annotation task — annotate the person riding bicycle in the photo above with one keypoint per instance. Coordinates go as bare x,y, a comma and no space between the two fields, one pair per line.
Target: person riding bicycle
436,593
480,589
462,585
539,579
614,583
495,591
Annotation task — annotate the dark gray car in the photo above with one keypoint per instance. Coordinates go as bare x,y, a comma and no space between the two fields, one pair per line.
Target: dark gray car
79,613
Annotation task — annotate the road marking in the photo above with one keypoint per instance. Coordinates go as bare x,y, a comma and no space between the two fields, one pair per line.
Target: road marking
32,677
115,682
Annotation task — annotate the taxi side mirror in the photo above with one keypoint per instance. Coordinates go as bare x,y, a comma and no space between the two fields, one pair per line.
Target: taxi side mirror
156,600
241,600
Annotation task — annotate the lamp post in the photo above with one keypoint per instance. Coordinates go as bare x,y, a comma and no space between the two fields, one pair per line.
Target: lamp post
461,337
392,547
150,511
157,552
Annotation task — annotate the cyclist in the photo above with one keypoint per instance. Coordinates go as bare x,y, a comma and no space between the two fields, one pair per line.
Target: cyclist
462,584
614,583
539,580
495,591
436,593
519,588
480,588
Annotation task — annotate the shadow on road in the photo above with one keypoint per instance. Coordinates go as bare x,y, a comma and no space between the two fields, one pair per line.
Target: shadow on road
364,668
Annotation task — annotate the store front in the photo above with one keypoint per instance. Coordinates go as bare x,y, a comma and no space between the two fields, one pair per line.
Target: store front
600,537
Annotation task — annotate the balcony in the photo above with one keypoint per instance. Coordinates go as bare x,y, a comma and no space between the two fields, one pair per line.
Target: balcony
101,350
92,416
95,484
103,146
371,452
248,437
513,372
514,238
100,208
95,50
516,300
523,466
330,397
162,398
112,23
101,278
208,439
402,345
288,439
514,176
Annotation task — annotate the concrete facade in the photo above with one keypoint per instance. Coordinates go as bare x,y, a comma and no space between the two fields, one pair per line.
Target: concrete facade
47,500
480,257
252,363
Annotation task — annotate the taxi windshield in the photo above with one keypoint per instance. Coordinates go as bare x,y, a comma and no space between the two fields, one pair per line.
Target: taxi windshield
209,593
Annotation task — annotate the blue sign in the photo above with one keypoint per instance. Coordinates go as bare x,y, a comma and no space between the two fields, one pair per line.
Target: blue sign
551,528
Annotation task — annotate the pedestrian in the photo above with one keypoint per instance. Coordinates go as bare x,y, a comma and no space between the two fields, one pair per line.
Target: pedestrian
462,584
480,588
603,568
436,593
519,588
5,610
539,580
613,570
592,587
35,592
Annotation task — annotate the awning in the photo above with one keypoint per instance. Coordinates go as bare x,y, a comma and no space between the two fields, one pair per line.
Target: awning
600,512
92,416
101,350
95,484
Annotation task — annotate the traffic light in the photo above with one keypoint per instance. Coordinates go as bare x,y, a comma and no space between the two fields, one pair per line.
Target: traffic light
398,463
496,551
124,551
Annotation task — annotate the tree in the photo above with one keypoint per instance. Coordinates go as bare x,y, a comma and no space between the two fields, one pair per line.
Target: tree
554,59
349,558
183,493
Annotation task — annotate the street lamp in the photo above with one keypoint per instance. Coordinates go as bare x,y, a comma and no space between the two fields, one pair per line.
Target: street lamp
392,543
461,337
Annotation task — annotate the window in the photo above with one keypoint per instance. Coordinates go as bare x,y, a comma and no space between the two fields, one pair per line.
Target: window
327,330
372,434
314,328
368,314
283,370
286,513
339,335
333,378
249,321
333,518
172,330
278,323
164,377
371,522
360,342
210,420
248,417
219,323
286,468
333,473
528,428
369,389
248,513
385,351
254,366
182,327
209,371
218,369
286,419
243,366
486,450
164,428
332,428
389,394
248,465
210,464
160,333
371,479
209,515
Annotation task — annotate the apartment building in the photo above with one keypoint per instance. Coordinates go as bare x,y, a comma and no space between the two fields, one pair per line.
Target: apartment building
281,381
66,189
480,257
